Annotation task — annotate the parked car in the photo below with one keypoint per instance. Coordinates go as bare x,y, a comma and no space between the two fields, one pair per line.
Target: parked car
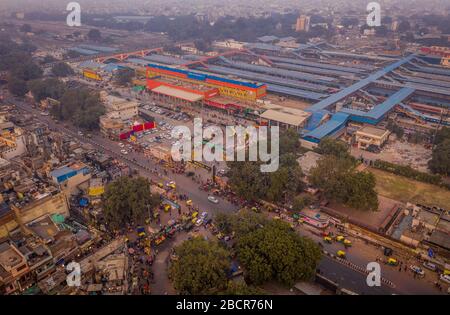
445,278
213,199
430,266
417,270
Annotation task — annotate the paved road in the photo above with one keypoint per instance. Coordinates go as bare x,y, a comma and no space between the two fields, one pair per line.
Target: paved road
360,254
184,184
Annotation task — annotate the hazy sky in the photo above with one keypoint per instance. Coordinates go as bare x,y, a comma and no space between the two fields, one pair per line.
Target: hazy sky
144,5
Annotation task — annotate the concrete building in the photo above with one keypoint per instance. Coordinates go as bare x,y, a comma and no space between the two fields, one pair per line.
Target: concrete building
120,108
302,24
308,161
285,118
70,177
369,135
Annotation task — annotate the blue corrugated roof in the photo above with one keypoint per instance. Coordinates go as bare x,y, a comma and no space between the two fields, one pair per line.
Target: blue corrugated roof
376,114
61,171
336,123
336,97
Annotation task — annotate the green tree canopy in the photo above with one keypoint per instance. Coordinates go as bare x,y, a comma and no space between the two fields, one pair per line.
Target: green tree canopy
339,180
62,69
128,200
241,288
440,158
42,89
17,87
330,146
81,106
201,267
275,252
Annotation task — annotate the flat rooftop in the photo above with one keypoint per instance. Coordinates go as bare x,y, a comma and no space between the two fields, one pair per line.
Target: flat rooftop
286,117
377,132
187,96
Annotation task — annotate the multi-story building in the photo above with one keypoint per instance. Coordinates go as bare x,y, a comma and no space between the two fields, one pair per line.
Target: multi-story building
120,108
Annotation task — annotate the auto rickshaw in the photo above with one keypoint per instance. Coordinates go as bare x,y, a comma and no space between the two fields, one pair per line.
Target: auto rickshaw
160,185
189,202
392,262
167,208
194,214
160,239
327,239
340,238
341,254
254,209
347,243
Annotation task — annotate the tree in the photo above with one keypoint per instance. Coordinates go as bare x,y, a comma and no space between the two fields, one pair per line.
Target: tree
124,76
330,146
27,71
128,200
328,175
42,89
94,34
300,202
361,192
201,267
62,69
275,252
441,135
17,86
440,158
81,106
339,181
241,288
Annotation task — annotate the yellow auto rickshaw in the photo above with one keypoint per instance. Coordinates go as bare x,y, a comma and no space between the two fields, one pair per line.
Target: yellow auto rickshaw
328,239
340,238
392,262
167,208
160,185
446,272
347,243
189,202
341,254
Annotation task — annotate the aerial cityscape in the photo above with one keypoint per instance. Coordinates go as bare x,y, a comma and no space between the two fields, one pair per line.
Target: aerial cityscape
225,148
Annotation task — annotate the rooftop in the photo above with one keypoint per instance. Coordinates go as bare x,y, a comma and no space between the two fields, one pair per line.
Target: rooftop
188,96
373,131
286,117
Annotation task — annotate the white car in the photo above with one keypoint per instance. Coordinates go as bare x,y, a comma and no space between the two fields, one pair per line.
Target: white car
125,152
213,199
445,278
417,270
429,265
121,144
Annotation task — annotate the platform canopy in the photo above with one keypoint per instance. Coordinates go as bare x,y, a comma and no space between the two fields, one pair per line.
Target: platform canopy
184,95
